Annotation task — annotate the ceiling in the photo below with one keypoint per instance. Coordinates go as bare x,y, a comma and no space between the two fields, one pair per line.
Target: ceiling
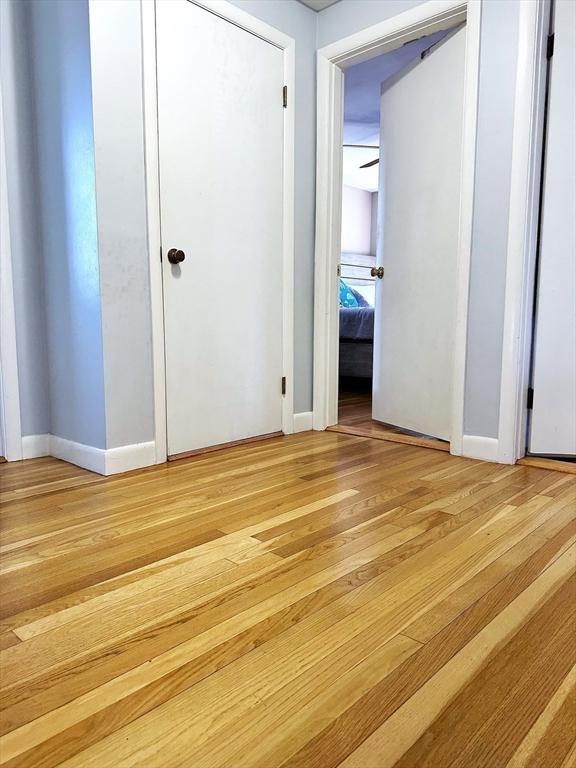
362,81
318,5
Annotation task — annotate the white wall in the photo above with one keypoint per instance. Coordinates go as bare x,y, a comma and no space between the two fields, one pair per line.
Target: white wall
68,237
78,285
122,238
27,261
498,53
356,220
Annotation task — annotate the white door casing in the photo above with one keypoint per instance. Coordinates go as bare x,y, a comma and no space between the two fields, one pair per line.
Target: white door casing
221,202
419,200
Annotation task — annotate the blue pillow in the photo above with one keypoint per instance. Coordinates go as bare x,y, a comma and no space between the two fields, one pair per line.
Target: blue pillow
359,298
347,297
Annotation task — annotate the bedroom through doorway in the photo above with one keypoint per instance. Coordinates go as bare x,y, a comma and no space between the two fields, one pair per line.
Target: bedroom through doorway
369,393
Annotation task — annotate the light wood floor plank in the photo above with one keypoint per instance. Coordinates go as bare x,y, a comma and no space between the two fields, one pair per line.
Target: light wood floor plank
391,744
535,748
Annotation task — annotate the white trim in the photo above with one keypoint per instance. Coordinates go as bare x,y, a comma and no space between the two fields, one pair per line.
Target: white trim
303,421
152,180
522,228
257,27
423,19
9,391
245,20
478,447
109,461
129,457
85,456
288,236
467,177
35,446
328,238
373,41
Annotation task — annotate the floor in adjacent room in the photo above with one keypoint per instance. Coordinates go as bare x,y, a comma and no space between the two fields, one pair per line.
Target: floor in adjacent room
309,601
355,418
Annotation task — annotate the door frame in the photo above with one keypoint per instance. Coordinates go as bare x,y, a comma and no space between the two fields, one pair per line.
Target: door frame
270,34
10,423
523,223
373,41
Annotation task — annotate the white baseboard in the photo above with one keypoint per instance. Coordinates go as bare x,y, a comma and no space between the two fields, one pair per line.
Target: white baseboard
35,446
478,447
109,461
303,421
85,456
127,457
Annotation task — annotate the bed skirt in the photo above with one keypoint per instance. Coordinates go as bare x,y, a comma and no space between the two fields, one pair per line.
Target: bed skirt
356,359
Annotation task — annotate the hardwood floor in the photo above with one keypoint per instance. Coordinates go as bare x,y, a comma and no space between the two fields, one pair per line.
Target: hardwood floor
355,418
313,601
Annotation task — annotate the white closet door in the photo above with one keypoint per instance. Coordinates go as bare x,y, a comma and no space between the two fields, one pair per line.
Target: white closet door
553,423
221,141
420,152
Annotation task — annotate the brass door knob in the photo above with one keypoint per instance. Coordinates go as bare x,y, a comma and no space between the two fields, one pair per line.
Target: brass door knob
175,256
377,272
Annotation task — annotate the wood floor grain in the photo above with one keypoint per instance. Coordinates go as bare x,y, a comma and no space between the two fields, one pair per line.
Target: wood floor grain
311,601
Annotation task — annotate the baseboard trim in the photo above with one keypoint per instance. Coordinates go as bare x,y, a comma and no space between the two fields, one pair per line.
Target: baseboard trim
109,461
35,446
85,456
479,447
128,457
303,421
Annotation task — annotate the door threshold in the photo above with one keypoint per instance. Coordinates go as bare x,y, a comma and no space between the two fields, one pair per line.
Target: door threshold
222,446
568,467
380,433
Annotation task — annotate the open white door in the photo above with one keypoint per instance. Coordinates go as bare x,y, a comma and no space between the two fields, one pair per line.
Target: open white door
220,118
553,423
419,203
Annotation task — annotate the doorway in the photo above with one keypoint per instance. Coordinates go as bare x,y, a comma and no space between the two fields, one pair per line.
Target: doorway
368,142
375,401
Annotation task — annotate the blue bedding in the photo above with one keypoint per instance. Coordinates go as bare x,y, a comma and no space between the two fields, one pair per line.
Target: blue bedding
356,323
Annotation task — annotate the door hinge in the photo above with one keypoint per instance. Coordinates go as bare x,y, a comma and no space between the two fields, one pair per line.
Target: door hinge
530,398
283,385
285,96
550,46
160,253
338,270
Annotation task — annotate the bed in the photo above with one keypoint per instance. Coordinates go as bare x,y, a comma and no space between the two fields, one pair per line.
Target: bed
357,294
356,342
